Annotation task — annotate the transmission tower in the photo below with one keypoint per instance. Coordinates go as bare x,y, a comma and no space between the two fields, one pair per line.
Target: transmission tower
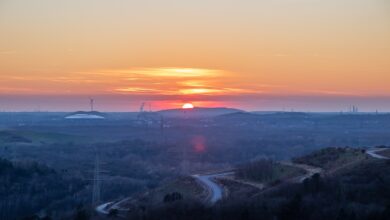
141,109
91,103
96,182
184,163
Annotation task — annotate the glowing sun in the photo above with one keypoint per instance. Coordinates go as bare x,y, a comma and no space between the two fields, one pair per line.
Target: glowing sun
188,106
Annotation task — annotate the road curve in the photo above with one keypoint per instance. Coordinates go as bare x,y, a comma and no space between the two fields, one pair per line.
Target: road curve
215,191
103,208
207,181
374,153
106,208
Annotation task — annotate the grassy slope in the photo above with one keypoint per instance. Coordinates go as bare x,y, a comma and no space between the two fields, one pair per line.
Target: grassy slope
285,172
385,153
186,186
277,172
332,158
237,190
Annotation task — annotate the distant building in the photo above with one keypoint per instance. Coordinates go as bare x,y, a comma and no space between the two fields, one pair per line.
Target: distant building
85,115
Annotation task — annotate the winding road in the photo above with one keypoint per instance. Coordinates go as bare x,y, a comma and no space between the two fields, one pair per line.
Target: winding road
103,208
374,153
310,171
215,191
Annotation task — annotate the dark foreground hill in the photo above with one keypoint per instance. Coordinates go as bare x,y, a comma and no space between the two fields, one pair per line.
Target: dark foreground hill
359,192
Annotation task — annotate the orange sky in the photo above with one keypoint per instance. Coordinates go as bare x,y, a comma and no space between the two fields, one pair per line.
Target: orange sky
210,52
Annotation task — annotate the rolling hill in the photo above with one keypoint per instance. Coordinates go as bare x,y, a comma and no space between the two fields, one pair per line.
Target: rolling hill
197,112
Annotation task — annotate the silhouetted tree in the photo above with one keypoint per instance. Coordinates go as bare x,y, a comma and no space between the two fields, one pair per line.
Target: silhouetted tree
113,213
292,210
172,197
81,214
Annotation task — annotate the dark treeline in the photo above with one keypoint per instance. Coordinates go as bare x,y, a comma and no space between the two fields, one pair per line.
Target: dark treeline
26,188
260,170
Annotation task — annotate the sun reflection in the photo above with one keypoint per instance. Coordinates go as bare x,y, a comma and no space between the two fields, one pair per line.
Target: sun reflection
199,143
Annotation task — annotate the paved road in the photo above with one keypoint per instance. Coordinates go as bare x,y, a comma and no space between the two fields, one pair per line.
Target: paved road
215,191
374,153
103,208
310,171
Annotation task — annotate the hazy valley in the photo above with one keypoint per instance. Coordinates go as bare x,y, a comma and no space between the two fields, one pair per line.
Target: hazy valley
147,162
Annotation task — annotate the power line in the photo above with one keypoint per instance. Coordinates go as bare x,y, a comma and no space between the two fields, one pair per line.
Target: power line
96,190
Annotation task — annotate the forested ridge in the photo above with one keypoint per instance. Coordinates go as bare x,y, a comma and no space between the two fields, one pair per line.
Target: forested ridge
27,187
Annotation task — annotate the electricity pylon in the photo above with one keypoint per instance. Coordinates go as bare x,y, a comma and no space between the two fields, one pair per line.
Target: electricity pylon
96,190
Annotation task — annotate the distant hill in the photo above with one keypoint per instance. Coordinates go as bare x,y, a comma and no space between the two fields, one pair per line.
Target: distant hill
239,115
251,117
265,112
197,112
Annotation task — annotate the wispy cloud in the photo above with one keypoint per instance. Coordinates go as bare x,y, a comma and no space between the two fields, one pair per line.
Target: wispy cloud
330,92
164,80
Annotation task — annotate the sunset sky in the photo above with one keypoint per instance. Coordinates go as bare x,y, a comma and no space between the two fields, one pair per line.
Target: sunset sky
306,55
